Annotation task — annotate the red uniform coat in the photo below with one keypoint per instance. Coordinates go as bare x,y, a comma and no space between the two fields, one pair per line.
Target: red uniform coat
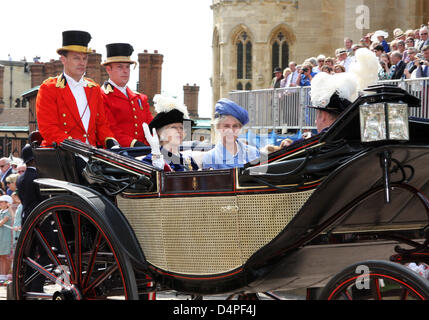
58,115
126,115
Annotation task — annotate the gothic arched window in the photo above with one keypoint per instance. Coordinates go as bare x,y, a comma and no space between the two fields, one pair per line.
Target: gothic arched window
280,51
244,56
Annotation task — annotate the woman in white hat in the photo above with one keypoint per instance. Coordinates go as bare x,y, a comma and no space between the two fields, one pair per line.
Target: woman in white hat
165,134
5,237
381,36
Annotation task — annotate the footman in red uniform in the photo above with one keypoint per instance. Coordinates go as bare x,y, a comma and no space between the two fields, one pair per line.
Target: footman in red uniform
125,109
70,106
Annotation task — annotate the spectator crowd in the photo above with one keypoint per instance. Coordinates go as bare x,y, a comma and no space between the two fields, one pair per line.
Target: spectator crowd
10,214
406,56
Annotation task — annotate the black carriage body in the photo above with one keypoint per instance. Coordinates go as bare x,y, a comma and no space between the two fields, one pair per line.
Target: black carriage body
290,221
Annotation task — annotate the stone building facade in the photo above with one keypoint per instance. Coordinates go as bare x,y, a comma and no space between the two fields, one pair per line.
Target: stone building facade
251,37
15,78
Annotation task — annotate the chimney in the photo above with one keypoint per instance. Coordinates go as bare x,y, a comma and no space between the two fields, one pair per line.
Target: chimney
57,67
150,70
144,72
37,74
93,69
156,72
190,97
1,83
50,69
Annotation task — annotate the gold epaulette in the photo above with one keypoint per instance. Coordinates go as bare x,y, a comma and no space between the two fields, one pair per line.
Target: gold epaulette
61,81
91,83
107,87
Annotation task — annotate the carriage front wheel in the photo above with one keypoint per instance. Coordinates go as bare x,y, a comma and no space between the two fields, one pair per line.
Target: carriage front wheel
67,252
376,280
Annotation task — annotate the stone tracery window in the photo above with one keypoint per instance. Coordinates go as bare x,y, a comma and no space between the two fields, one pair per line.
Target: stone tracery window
244,56
279,51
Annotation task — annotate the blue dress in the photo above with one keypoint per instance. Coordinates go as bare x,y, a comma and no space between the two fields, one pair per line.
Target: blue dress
220,158
5,234
176,163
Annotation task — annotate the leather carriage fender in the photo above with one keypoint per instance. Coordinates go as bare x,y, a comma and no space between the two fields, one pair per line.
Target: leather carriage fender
111,215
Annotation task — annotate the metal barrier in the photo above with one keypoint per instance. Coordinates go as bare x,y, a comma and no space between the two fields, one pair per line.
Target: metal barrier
285,108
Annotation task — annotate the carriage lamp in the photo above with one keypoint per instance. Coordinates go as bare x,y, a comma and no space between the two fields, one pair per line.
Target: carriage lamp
384,121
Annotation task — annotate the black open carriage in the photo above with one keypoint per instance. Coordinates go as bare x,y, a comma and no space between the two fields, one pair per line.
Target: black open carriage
330,212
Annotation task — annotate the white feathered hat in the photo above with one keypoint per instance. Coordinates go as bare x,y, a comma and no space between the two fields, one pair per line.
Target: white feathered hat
169,110
334,93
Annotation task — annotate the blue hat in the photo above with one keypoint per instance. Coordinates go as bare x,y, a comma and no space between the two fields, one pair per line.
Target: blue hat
230,108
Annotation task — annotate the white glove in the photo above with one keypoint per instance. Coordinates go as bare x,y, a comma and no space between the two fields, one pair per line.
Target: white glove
153,140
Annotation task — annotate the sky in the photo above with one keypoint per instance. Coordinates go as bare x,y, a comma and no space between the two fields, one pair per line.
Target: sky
179,30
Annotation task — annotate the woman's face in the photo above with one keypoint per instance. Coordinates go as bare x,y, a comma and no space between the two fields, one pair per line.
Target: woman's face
11,186
4,205
338,70
172,134
229,128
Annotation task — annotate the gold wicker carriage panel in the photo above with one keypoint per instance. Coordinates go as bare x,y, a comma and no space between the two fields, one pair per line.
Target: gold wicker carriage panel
208,235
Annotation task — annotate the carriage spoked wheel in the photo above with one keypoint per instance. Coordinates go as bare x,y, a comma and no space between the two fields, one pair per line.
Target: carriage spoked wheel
376,280
66,252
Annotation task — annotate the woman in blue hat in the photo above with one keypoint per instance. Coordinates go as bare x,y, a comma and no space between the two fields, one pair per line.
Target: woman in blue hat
229,152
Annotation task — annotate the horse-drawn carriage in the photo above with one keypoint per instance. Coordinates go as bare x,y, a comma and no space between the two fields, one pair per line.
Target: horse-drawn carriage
343,210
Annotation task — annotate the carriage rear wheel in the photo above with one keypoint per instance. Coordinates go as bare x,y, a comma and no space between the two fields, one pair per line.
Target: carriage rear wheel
376,280
66,252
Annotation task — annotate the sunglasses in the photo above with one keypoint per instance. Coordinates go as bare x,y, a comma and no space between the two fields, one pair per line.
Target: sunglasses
21,171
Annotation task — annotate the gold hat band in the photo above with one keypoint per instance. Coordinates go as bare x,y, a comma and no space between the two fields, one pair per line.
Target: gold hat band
75,48
124,59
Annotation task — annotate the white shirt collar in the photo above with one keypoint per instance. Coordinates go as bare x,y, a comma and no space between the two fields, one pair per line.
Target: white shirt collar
73,83
122,89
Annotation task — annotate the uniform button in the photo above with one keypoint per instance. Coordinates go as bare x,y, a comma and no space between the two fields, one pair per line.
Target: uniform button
132,102
70,137
66,132
136,125
134,109
65,123
64,115
136,133
85,136
135,117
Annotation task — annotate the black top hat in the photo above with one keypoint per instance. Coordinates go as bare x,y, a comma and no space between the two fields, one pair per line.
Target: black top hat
336,105
27,153
164,118
119,52
76,41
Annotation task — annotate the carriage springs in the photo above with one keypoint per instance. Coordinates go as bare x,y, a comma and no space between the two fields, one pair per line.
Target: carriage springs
233,309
